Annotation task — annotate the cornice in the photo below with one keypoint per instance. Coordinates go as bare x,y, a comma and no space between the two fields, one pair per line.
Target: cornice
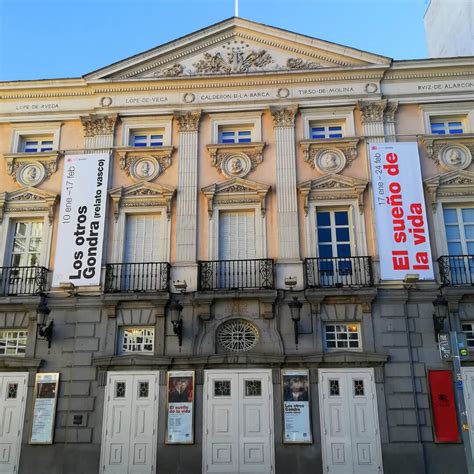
395,76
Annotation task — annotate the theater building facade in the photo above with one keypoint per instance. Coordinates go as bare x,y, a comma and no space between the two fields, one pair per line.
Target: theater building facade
227,312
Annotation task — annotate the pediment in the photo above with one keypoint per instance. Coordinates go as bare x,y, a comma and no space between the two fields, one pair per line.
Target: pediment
143,194
451,184
28,199
333,187
237,46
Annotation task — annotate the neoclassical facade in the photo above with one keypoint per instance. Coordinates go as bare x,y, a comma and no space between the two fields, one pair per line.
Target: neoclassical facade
239,250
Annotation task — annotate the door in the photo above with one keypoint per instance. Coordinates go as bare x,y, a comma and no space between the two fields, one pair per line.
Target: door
238,422
13,391
349,422
468,376
130,423
237,243
141,271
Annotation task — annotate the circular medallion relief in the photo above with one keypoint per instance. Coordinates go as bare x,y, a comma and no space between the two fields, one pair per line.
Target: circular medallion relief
237,335
145,169
236,165
330,161
31,174
455,157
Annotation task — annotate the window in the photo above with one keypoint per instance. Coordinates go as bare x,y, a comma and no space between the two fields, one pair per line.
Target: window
13,341
447,126
320,130
459,225
37,144
235,135
146,138
333,234
468,329
137,339
27,243
342,336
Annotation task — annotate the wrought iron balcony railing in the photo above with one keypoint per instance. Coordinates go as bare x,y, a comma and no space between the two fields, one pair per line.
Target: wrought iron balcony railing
18,281
338,272
236,274
143,277
456,270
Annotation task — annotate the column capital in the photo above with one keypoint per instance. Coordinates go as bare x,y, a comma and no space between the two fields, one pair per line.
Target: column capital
98,124
372,111
188,121
283,117
389,112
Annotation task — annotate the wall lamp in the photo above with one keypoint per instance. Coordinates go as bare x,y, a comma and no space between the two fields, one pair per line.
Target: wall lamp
295,311
176,311
440,314
45,329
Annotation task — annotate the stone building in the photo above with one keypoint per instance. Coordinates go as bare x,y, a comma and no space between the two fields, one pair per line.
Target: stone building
240,247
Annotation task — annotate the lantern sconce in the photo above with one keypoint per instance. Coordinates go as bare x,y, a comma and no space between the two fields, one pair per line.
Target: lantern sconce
440,314
45,329
176,310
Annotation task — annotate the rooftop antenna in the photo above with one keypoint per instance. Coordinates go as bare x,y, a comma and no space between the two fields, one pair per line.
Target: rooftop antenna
237,8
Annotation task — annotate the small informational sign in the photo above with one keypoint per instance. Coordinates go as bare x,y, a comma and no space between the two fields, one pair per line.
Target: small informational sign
180,403
296,410
44,411
402,227
81,220
444,345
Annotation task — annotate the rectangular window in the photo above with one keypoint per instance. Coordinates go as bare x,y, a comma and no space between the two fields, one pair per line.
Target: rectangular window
235,135
146,138
325,130
26,243
36,144
333,234
459,225
13,341
137,339
468,329
446,126
342,336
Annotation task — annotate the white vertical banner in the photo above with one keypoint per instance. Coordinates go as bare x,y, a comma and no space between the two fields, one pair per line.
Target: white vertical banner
81,219
402,227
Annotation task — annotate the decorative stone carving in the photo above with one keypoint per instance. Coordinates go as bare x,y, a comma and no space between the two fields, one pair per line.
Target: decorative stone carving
372,111
450,152
32,169
283,117
188,121
299,63
333,187
175,70
142,195
28,200
235,191
98,124
331,155
236,159
389,111
459,183
143,166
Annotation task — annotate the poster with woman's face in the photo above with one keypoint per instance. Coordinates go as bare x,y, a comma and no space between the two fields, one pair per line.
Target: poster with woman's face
296,412
180,391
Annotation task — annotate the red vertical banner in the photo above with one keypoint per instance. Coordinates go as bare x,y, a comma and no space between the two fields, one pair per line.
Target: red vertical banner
443,406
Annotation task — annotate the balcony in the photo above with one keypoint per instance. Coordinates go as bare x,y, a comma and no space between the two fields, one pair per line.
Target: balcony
23,281
456,270
338,272
147,277
250,274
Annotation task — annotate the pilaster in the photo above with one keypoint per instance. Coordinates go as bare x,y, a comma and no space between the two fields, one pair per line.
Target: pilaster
389,121
186,201
372,113
99,131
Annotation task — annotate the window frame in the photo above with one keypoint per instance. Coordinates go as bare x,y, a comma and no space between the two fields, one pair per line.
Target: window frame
326,125
148,133
445,121
18,330
131,125
35,131
343,116
471,332
236,120
461,111
236,130
347,324
120,341
463,239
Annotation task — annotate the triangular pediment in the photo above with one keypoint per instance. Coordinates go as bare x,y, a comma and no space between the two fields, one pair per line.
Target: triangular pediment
237,46
333,182
236,185
453,183
142,189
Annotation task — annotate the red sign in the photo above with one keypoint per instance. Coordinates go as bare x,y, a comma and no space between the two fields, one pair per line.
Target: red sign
443,406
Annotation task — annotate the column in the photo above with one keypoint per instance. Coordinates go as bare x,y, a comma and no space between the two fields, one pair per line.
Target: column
389,121
99,131
289,262
186,199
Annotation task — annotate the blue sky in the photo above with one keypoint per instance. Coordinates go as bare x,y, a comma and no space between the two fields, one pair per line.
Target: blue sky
42,39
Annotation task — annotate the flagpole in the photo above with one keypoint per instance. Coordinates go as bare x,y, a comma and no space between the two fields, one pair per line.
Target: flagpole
236,7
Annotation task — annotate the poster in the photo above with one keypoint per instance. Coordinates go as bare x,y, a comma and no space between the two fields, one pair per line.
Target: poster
401,219
44,411
180,400
296,413
81,220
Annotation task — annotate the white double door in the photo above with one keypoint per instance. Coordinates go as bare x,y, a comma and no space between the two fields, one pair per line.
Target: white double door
238,422
13,391
349,422
130,423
